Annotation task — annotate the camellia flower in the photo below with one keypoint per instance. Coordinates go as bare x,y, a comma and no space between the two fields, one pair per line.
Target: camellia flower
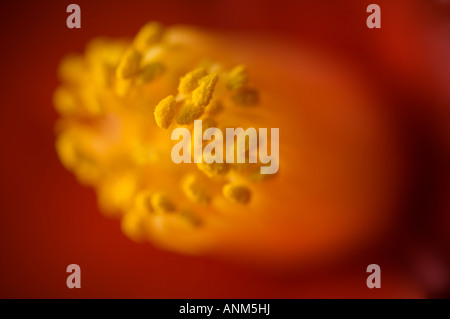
338,168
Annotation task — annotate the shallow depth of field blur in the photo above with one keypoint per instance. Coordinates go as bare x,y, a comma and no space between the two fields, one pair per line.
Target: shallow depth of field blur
397,83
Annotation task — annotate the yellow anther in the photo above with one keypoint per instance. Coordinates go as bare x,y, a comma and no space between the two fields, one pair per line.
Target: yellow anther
129,64
196,189
246,97
151,71
213,169
162,203
236,193
202,95
237,78
188,113
148,35
190,81
165,111
64,101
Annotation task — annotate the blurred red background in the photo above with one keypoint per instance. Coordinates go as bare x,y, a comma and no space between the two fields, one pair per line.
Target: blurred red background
48,221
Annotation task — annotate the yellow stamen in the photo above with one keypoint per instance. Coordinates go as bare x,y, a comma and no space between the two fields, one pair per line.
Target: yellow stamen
190,81
188,113
148,35
165,111
129,64
202,95
237,78
106,136
151,71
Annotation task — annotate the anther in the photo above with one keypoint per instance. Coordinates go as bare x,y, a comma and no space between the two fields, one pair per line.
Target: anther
188,113
148,35
190,81
151,71
237,78
165,111
202,95
129,64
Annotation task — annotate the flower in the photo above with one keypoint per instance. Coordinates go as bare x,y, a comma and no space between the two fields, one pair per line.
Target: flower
338,167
